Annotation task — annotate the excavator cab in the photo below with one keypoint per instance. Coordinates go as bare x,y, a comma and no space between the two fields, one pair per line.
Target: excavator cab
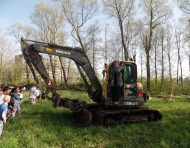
130,94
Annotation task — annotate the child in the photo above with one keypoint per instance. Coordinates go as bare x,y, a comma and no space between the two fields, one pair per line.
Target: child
7,91
16,99
3,112
32,94
20,93
43,95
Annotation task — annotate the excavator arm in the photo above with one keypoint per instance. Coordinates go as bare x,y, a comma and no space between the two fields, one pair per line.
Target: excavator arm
31,49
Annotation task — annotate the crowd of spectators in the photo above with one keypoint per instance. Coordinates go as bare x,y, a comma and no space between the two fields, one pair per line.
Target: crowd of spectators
11,98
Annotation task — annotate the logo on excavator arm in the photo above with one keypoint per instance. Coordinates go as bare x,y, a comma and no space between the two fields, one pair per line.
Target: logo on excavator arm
50,50
62,52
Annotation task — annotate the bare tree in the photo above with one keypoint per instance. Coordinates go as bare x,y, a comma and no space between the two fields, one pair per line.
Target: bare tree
121,10
50,23
184,5
92,42
162,59
6,57
187,53
105,49
78,13
19,30
157,12
178,40
168,51
113,45
133,29
26,31
155,47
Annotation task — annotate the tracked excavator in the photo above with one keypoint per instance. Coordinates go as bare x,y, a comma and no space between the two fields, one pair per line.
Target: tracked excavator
105,110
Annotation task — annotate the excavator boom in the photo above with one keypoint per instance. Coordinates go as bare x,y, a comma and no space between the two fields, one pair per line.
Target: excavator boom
34,59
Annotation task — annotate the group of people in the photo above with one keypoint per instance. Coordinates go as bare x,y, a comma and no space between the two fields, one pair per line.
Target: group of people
11,98
34,94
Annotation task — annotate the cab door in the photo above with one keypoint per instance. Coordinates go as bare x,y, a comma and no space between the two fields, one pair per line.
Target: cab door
130,79
130,90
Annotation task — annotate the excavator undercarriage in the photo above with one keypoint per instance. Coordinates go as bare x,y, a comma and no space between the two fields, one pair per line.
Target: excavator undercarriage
105,111
87,114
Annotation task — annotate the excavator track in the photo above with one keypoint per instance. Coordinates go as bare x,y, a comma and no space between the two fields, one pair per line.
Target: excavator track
112,117
87,114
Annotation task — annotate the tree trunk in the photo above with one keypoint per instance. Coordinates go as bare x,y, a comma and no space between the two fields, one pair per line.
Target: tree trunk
178,55
80,40
177,71
141,68
27,74
123,40
148,48
181,69
64,74
52,70
93,54
155,64
148,71
170,69
68,70
189,61
162,64
106,47
179,63
93,57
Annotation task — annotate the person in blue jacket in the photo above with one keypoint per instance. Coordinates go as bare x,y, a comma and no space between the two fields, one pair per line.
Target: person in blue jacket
17,101
3,112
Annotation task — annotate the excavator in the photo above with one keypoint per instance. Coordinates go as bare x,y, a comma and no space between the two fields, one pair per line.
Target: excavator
104,110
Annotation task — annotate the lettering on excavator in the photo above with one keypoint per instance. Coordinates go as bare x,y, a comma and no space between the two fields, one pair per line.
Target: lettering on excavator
62,52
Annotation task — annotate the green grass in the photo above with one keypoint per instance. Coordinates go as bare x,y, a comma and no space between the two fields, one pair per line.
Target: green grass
42,125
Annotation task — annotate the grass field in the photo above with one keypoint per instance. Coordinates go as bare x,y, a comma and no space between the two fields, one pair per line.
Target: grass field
41,125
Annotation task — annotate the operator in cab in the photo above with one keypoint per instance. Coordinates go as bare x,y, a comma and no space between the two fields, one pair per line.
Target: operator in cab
116,81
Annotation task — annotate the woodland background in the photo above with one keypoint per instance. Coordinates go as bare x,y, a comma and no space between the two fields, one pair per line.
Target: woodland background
153,33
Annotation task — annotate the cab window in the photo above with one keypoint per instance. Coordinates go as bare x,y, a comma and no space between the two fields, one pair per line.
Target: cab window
129,74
